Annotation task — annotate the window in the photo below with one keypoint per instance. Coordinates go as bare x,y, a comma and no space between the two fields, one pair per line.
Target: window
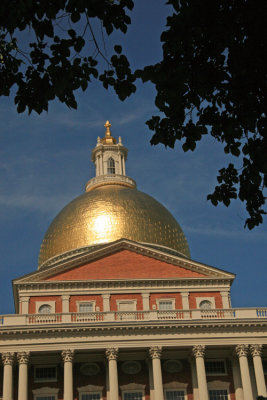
166,304
215,367
45,398
126,305
218,394
111,166
174,395
45,309
87,307
46,373
90,396
133,396
205,305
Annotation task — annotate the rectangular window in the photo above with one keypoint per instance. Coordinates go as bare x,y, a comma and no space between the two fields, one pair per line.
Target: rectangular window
42,374
127,305
90,396
132,396
218,394
87,307
166,305
215,367
45,398
175,395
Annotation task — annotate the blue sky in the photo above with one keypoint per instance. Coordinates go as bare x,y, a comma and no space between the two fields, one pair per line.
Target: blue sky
45,162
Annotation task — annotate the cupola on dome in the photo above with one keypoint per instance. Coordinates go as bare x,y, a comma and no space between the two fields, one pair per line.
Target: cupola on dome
111,209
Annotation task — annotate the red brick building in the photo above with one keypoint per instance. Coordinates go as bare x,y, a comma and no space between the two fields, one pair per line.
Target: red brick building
118,310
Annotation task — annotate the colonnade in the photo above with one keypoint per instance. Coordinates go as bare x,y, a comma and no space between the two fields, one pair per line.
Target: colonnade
241,375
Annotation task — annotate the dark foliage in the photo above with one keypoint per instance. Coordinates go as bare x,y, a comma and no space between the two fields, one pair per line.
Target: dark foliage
212,78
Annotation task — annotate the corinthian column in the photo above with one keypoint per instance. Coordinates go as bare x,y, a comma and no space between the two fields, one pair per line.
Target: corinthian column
23,360
155,354
68,356
112,356
242,352
199,352
8,359
256,350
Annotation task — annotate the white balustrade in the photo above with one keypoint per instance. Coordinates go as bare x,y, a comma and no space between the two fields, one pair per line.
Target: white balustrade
118,316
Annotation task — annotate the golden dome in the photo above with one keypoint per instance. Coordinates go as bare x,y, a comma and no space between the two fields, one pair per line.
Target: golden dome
108,213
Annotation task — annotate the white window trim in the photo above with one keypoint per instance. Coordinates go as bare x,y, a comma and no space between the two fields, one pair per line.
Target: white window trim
38,380
50,303
85,302
45,391
219,385
125,301
211,299
171,299
173,386
90,389
217,373
134,391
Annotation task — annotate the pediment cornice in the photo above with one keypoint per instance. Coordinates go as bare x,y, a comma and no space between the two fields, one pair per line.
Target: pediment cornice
125,244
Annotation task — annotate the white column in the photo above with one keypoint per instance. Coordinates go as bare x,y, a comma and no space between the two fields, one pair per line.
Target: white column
155,354
24,301
8,359
151,382
65,303
199,352
120,166
23,360
185,300
256,350
225,299
67,356
107,380
237,379
145,297
242,352
106,304
112,356
194,378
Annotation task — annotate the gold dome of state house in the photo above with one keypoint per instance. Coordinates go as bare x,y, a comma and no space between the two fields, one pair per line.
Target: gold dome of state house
111,209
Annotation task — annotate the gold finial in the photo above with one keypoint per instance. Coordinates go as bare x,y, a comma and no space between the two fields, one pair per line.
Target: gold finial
107,126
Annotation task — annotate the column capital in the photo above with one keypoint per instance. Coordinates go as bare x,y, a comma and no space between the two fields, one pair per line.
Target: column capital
67,355
112,353
106,296
184,294
23,357
199,351
241,350
8,358
155,351
25,298
145,295
65,296
255,349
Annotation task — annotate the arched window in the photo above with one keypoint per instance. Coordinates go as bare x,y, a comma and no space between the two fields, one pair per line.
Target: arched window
205,305
111,166
44,309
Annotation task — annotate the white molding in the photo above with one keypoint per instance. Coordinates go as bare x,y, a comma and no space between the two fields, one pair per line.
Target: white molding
133,391
90,388
219,385
50,303
175,385
45,391
133,387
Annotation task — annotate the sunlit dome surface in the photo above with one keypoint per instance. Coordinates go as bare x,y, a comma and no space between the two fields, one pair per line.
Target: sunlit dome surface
109,213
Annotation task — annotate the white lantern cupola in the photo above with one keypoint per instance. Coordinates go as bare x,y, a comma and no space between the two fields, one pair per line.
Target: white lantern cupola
109,157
